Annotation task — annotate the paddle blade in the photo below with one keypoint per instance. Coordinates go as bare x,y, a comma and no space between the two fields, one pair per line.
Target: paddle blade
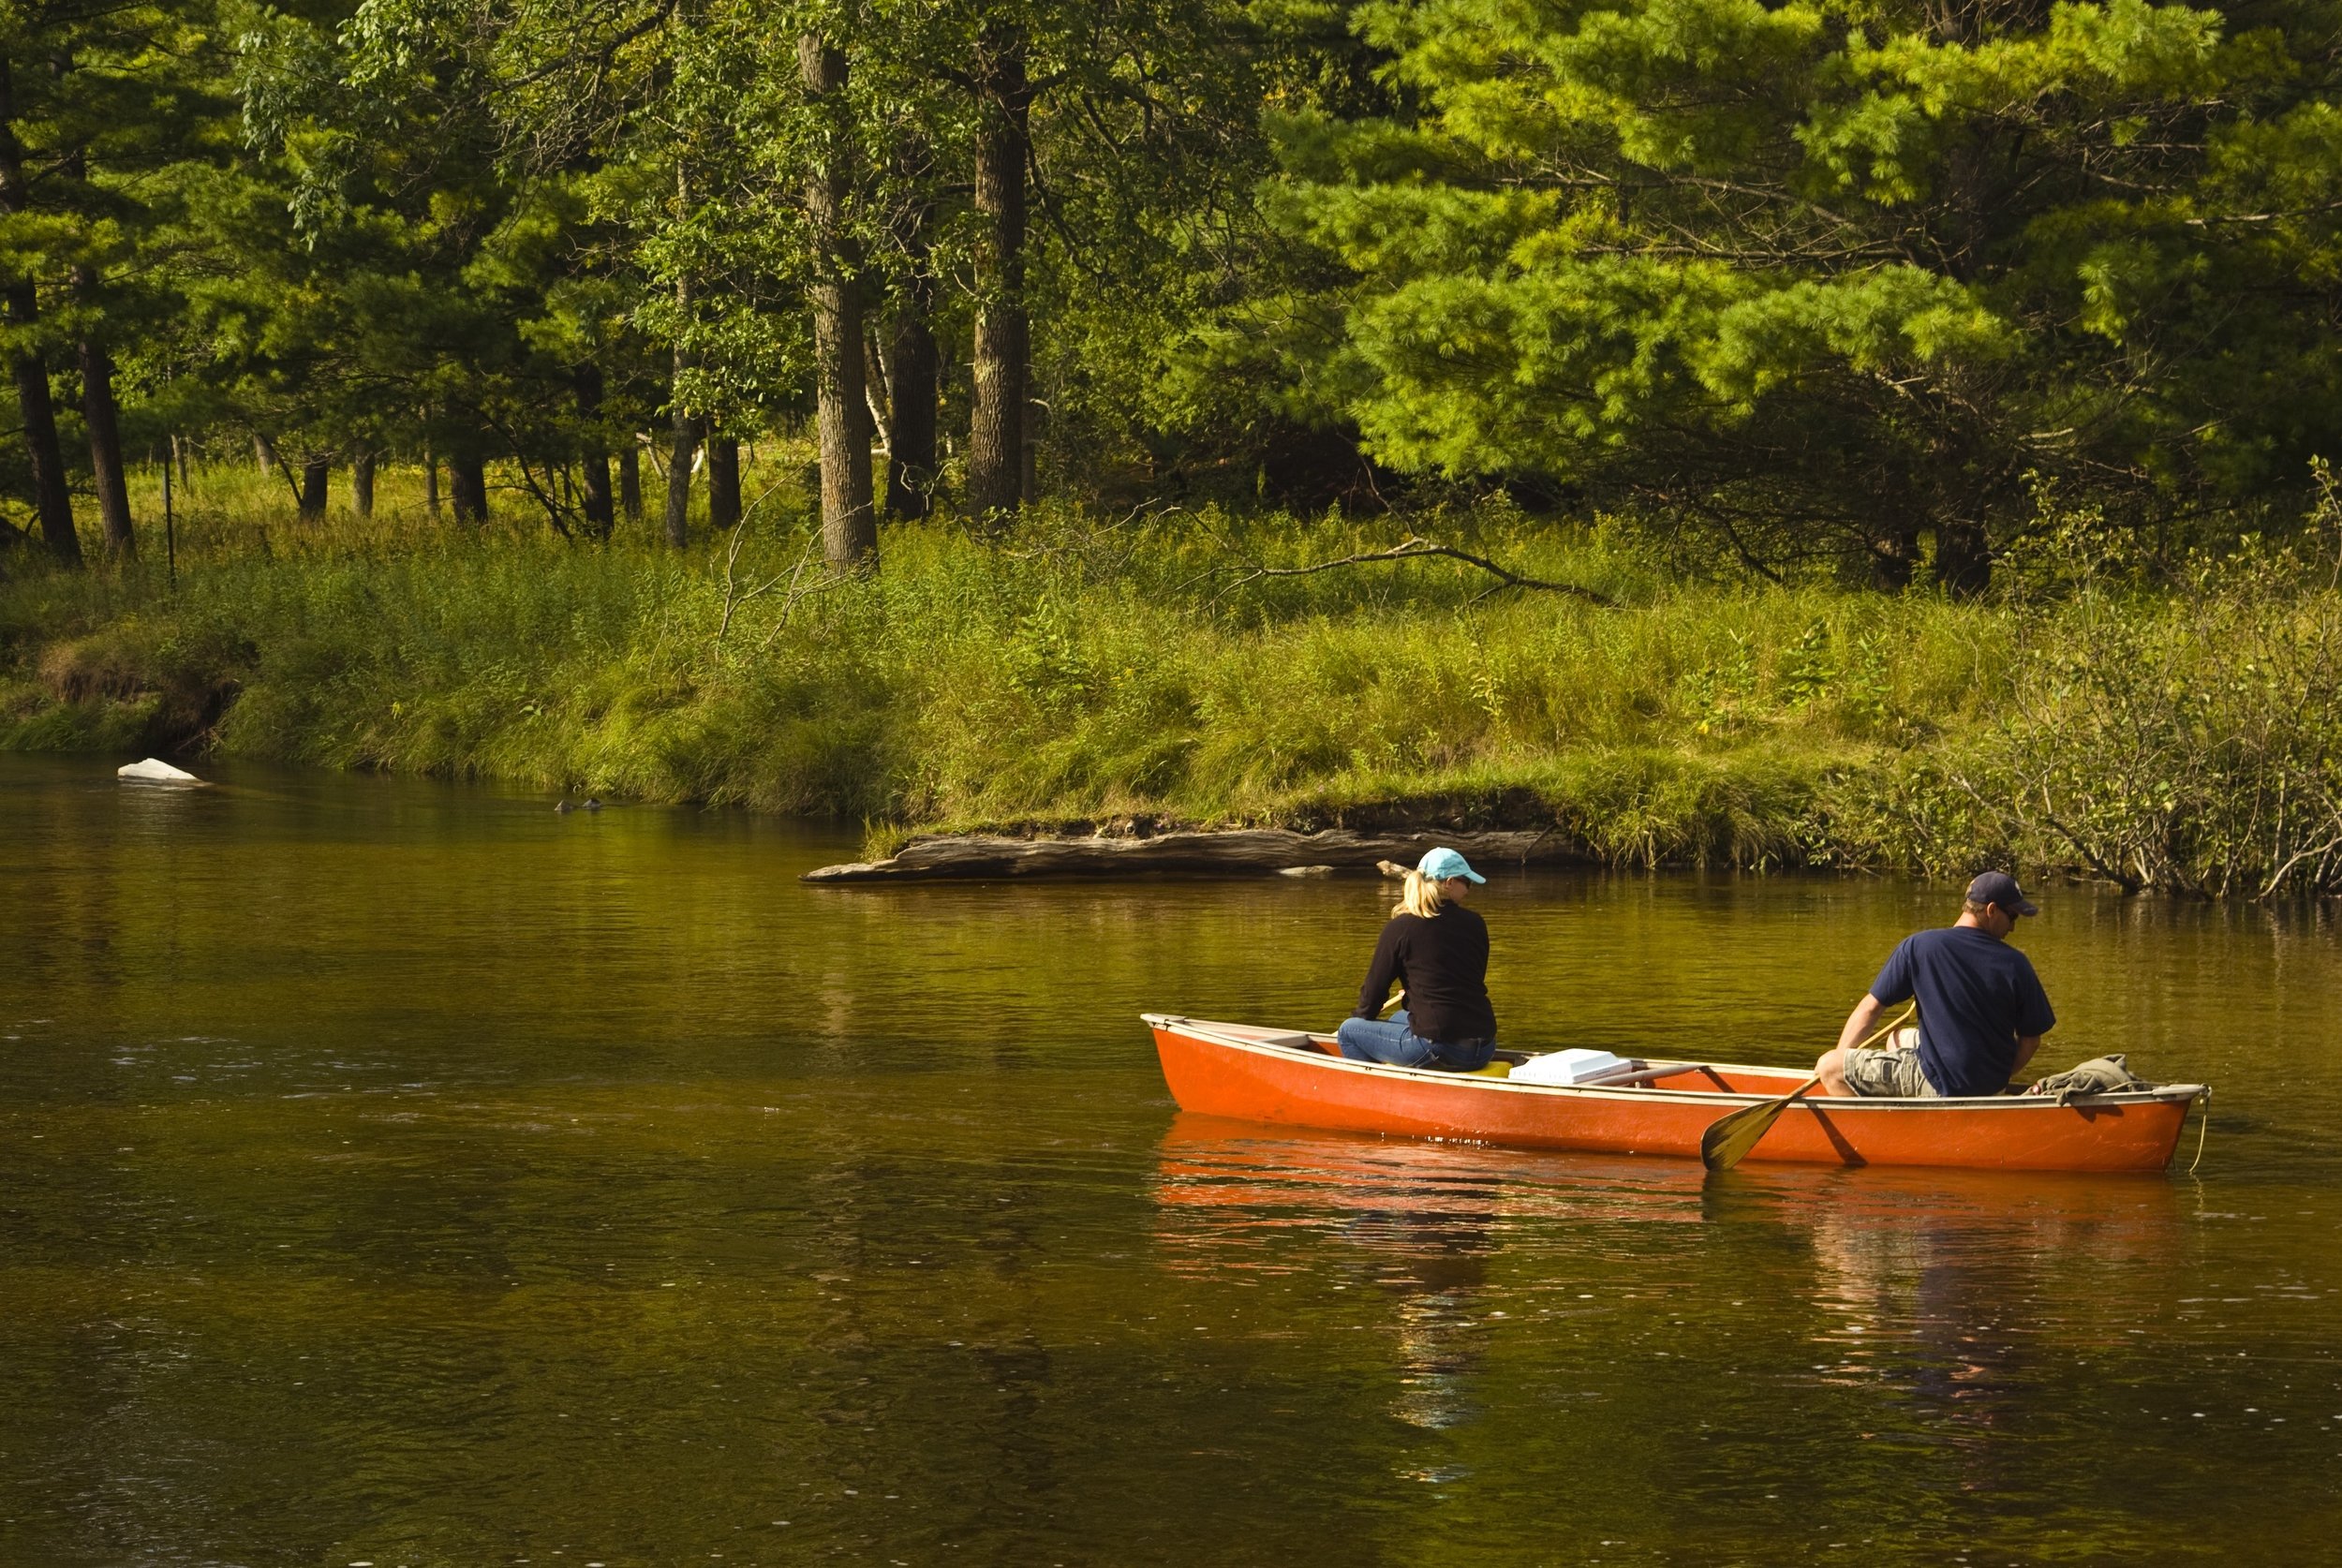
1729,1138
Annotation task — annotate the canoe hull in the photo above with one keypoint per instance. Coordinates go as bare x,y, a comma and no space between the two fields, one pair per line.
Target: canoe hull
1230,1069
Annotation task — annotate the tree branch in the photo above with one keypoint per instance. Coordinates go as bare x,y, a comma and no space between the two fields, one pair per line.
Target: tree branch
1414,548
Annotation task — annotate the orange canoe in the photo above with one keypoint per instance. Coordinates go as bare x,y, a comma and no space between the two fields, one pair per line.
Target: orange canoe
1261,1074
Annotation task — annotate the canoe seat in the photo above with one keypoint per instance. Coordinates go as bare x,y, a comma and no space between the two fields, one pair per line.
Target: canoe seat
1498,1058
1295,1041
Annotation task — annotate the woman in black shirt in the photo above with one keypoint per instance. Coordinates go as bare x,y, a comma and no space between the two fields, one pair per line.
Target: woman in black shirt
1438,953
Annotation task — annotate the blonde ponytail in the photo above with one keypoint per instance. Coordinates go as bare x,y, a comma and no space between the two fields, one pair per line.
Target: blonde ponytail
1422,898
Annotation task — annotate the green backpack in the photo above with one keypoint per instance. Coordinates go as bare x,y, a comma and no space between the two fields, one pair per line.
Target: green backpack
2098,1075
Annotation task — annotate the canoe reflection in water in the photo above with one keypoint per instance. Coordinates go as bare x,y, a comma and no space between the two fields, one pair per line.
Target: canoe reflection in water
1962,1287
1411,1221
1928,1309
1417,1222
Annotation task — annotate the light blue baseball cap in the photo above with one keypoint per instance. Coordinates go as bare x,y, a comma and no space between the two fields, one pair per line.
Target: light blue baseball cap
1446,865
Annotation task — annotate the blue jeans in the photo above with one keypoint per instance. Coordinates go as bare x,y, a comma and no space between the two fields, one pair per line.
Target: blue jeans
1393,1040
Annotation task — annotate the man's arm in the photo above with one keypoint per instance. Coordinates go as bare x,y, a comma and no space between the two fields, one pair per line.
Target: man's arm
1859,1022
2026,1045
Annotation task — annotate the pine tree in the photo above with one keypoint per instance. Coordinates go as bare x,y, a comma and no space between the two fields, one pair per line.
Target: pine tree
1830,276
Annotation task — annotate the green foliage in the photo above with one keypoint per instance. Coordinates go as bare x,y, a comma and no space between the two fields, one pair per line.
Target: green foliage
1102,670
1808,285
2174,737
1827,277
1804,290
2182,740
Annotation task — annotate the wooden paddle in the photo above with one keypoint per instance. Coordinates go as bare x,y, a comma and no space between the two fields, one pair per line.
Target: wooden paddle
1728,1138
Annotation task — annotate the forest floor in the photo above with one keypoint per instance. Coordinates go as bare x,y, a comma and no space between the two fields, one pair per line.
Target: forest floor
1086,673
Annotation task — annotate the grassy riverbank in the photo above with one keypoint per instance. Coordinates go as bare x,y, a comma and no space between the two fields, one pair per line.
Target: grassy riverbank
1085,670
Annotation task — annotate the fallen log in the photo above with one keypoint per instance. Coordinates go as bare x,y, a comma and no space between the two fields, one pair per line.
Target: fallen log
1263,850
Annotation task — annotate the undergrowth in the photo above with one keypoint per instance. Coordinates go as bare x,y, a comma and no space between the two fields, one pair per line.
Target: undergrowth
1089,670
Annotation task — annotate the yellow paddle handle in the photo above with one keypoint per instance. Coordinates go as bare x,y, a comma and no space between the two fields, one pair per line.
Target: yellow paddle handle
1889,1027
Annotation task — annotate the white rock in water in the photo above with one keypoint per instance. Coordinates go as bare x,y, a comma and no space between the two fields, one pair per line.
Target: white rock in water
154,770
1305,871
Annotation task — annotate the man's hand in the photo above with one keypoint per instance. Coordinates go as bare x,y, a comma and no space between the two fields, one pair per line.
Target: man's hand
1831,1069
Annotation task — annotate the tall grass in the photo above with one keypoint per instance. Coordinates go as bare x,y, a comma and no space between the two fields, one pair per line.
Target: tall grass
1085,670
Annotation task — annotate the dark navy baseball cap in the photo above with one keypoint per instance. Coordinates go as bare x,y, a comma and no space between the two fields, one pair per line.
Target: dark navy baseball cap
1999,887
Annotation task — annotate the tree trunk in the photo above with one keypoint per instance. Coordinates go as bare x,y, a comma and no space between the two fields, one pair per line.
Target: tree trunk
875,396
682,434
849,525
996,433
362,484
467,486
1895,555
431,482
1963,560
723,482
264,454
594,452
104,420
314,471
631,478
912,380
1257,850
101,417
683,442
601,512
51,498
1029,471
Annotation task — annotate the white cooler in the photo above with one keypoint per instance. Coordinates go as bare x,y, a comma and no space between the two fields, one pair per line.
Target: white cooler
1568,1067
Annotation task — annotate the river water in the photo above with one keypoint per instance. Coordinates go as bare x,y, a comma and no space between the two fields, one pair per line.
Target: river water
396,1173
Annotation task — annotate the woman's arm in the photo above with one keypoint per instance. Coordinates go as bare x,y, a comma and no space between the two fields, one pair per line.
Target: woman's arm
1380,973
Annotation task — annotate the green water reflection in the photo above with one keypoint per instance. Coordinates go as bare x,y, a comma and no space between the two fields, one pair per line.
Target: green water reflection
398,1173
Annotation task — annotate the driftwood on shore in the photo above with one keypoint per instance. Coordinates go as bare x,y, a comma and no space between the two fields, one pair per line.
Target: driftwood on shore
1260,851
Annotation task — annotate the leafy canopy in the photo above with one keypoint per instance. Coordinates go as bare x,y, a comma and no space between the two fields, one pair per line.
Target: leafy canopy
1836,274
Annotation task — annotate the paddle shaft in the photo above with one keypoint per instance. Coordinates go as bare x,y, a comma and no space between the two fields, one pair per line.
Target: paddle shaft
1641,1075
1729,1138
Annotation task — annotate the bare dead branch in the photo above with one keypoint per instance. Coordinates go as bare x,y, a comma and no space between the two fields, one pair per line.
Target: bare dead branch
735,596
1414,549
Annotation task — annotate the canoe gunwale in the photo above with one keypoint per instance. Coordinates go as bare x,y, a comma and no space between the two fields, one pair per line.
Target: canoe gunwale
1723,1100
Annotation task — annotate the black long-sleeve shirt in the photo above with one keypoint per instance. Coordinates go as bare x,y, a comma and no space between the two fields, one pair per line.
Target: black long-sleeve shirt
1443,964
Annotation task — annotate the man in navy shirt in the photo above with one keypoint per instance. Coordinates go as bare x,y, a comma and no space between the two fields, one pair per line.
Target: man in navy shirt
1982,1010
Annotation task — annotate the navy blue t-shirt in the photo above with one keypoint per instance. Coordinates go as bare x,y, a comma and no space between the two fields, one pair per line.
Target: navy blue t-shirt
1977,995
